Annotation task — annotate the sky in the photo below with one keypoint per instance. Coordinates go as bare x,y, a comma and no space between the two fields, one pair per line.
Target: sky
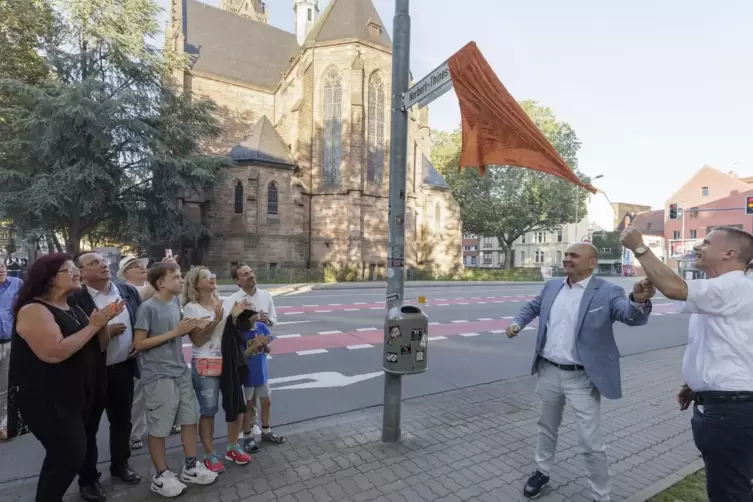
654,90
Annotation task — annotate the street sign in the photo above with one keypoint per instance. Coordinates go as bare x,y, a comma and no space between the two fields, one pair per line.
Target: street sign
321,380
429,88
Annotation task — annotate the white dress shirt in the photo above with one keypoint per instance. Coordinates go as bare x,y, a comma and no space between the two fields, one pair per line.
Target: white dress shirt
261,300
562,322
119,346
719,355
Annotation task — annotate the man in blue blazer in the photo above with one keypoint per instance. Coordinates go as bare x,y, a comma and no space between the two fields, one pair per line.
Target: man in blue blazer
577,359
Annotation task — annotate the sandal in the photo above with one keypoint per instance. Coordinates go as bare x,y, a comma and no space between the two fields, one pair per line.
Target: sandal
137,444
273,438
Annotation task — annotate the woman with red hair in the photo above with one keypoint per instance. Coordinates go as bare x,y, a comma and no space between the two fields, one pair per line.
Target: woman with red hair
54,372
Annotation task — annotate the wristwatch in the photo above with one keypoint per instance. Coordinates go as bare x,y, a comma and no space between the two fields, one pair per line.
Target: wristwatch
640,251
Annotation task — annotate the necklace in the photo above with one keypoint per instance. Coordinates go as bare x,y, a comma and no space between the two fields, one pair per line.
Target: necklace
70,314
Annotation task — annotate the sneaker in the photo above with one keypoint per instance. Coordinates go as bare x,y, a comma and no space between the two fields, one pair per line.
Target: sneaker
535,484
235,454
250,445
167,485
175,429
198,475
256,431
213,464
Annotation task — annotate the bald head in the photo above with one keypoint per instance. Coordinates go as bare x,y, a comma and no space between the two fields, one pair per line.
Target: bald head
581,258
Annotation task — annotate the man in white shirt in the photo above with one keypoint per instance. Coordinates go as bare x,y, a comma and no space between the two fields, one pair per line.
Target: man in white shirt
577,359
261,301
117,393
718,362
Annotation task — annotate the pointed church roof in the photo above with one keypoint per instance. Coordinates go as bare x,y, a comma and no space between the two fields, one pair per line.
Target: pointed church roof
349,19
225,44
263,145
432,177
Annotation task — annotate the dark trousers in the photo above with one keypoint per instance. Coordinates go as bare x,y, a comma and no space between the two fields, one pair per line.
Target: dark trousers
118,402
723,434
63,436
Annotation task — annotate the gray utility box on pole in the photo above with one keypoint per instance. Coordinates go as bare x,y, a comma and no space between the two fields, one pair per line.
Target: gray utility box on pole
406,340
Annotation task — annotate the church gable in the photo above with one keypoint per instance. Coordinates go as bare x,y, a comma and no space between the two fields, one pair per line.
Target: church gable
221,43
263,145
348,20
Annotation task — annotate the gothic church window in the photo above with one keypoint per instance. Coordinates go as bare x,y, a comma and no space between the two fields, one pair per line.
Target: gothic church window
375,131
332,139
239,197
272,199
437,218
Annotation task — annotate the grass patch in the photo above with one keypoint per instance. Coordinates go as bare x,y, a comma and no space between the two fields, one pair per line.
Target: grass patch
690,489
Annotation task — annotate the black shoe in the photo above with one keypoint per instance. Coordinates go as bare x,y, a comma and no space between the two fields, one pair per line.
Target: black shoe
535,484
250,446
126,475
93,493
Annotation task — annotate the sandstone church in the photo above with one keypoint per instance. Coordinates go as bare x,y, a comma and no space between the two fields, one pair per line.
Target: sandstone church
306,118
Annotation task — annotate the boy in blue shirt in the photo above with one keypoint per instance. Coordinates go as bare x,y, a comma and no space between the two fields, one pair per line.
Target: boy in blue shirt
257,386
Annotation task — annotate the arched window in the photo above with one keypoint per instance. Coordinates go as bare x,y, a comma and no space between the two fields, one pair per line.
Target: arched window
375,130
272,199
522,258
238,197
437,218
332,139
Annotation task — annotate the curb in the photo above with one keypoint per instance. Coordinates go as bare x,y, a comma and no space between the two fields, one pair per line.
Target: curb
665,483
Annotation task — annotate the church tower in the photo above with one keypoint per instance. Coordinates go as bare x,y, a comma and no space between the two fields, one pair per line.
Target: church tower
252,9
306,15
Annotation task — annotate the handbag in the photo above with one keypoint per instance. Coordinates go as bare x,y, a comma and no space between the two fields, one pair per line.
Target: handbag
208,367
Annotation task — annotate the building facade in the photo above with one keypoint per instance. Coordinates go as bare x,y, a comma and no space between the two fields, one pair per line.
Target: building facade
306,118
709,199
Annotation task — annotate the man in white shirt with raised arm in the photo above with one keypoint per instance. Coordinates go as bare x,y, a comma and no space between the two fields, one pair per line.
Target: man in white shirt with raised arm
718,362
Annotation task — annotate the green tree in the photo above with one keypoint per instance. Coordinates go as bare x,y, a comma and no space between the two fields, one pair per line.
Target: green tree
105,144
27,28
508,202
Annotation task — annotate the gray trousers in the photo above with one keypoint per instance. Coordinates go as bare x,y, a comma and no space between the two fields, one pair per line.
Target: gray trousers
555,387
138,412
4,364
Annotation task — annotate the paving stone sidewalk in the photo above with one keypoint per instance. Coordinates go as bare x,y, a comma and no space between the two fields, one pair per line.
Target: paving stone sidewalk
473,444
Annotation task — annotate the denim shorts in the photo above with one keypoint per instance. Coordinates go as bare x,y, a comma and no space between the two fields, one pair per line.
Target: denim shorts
207,392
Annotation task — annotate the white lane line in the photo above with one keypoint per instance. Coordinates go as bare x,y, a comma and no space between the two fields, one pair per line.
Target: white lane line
187,345
442,304
498,331
335,304
527,328
490,297
506,296
507,317
310,305
356,347
291,313
334,332
376,308
367,329
481,303
459,321
312,351
351,310
291,322
656,313
288,336
485,319
437,338
434,323
470,334
499,301
440,299
321,311
462,303
359,303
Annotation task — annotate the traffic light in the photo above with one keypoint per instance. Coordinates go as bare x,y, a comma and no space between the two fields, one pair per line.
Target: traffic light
673,211
749,204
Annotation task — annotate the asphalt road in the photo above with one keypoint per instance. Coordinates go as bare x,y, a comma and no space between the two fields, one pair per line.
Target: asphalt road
327,358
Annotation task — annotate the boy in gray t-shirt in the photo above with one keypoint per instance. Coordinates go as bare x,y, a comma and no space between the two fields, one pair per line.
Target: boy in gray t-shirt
168,391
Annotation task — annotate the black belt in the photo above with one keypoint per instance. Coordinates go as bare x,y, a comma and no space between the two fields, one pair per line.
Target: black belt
723,397
565,367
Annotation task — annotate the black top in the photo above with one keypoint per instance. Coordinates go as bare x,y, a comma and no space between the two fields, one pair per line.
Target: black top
35,386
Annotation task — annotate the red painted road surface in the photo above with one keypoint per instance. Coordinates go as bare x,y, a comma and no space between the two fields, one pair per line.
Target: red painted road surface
375,336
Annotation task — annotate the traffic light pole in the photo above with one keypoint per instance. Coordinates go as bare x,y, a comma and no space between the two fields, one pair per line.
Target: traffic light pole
396,238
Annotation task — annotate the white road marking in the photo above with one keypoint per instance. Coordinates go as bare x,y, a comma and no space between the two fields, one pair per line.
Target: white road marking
321,311
485,319
288,336
356,347
462,303
351,310
335,304
376,308
359,303
290,313
656,313
507,317
334,332
437,338
481,303
498,331
310,305
459,321
470,334
291,322
367,329
527,328
434,323
312,351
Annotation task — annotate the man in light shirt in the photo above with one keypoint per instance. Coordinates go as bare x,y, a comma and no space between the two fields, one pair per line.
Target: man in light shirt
718,362
117,395
261,301
577,359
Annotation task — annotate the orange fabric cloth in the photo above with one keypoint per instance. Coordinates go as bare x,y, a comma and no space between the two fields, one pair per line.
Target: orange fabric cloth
496,130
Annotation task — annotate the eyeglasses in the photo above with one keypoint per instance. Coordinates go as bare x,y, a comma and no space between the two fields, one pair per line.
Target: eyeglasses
99,263
210,275
70,270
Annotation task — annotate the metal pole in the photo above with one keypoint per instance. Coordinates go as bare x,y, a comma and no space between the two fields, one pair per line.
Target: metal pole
396,238
577,211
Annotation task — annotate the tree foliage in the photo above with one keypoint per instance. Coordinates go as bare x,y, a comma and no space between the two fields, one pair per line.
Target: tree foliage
104,144
508,202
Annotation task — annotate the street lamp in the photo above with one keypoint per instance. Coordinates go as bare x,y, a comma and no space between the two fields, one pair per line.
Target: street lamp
577,204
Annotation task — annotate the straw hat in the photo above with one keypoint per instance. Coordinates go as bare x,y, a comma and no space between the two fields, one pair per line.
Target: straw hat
127,262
